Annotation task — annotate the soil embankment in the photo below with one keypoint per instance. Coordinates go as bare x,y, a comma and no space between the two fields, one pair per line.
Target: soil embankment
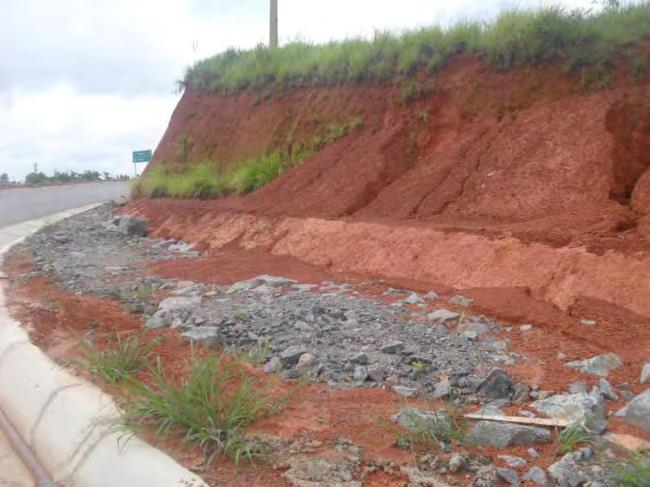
493,180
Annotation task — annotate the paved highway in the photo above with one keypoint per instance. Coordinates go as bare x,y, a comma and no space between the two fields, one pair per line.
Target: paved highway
20,204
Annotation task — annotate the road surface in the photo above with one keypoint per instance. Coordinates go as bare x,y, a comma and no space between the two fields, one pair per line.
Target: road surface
21,204
18,205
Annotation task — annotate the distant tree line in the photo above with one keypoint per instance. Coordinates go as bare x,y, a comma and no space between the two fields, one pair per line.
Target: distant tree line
58,177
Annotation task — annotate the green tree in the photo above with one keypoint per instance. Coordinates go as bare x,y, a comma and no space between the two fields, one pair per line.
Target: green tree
4,178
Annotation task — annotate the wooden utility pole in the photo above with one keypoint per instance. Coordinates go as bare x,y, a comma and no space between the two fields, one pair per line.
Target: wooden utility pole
273,35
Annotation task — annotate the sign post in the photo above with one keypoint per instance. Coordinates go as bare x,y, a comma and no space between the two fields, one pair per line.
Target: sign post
140,156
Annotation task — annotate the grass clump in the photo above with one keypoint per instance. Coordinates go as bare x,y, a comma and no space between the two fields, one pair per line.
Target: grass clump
212,407
572,436
206,180
122,358
586,40
635,472
428,431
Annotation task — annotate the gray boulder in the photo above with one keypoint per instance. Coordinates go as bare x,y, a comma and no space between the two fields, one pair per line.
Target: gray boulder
180,307
208,336
497,384
442,315
133,226
645,374
637,411
565,472
290,355
509,476
588,409
537,476
503,435
461,301
599,365
417,419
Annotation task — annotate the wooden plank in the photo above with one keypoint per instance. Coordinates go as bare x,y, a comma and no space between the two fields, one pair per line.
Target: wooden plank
560,423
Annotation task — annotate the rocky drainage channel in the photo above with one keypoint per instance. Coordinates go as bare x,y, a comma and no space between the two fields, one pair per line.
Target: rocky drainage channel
330,333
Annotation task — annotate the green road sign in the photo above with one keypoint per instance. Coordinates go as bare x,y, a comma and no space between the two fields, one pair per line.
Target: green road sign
141,156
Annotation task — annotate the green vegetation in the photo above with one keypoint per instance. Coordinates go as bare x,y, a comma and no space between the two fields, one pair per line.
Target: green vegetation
211,407
207,180
429,432
635,472
40,178
585,40
122,358
573,436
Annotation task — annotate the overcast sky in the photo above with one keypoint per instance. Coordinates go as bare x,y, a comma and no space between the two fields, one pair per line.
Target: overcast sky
85,82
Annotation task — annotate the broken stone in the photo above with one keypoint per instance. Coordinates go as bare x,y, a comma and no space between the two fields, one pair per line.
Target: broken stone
292,354
526,327
637,411
606,390
360,374
442,315
393,346
133,226
461,301
172,308
486,477
645,374
578,387
441,389
431,295
361,358
273,365
512,461
521,393
537,476
496,385
565,472
376,373
599,365
406,391
587,322
416,419
316,472
588,409
209,336
503,435
458,462
508,475
305,360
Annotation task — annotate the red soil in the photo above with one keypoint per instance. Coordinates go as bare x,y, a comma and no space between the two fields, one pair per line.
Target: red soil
496,180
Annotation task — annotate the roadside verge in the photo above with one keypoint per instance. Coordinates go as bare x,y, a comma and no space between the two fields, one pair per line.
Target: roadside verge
68,423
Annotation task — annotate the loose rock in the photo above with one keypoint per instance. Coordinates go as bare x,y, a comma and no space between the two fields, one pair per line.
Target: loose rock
599,365
637,411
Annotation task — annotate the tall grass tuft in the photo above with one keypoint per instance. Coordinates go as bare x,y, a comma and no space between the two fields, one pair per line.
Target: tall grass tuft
122,358
586,40
212,407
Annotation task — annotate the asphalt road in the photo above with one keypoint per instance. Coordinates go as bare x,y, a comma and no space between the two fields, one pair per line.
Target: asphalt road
20,204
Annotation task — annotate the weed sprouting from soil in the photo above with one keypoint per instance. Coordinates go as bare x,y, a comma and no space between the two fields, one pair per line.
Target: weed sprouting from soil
211,407
122,358
587,40
572,436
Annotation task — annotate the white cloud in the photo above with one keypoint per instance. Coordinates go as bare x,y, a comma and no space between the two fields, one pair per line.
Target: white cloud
83,82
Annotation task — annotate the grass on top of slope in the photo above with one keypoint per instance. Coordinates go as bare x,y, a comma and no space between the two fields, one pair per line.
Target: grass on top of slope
586,40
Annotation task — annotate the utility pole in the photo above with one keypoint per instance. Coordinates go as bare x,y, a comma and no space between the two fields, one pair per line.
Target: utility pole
273,35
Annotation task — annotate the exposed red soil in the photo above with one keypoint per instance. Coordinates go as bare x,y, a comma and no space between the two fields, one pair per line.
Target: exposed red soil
514,179
57,320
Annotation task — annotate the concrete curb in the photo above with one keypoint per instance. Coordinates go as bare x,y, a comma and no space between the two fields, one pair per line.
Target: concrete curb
68,423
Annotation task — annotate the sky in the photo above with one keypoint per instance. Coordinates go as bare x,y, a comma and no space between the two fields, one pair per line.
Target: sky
85,82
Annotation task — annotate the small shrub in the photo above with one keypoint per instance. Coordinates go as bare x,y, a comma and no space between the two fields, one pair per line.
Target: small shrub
122,358
212,407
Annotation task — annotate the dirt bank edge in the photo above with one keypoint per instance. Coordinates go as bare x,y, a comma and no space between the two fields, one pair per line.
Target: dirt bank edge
67,422
457,259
